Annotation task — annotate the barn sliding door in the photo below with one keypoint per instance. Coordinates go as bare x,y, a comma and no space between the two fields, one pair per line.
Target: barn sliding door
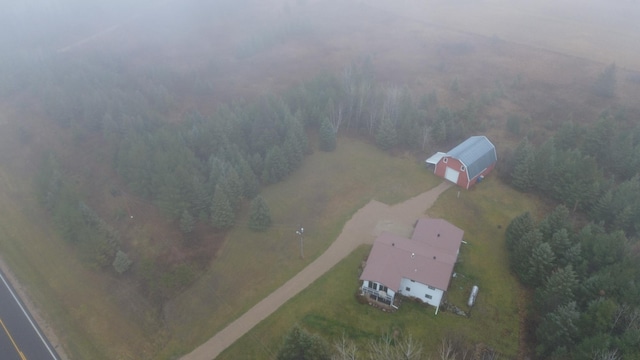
451,175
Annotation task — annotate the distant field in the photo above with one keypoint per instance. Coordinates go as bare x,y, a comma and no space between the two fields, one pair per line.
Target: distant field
603,31
328,307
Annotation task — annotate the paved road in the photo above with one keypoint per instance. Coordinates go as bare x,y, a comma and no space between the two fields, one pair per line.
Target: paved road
20,337
364,226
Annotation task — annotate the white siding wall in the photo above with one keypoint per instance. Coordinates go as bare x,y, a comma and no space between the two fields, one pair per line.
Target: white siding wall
420,291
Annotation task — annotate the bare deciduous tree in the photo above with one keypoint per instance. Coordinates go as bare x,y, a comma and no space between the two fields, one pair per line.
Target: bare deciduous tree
347,349
606,355
403,349
446,351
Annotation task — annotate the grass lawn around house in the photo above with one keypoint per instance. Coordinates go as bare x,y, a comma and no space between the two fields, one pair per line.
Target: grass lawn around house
328,307
320,196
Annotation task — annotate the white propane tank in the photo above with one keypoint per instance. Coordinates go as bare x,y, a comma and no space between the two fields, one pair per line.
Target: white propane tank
472,297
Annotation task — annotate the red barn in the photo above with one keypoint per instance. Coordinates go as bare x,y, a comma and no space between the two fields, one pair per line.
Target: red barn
466,163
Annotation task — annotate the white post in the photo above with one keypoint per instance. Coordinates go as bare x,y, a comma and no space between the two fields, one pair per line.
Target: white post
300,232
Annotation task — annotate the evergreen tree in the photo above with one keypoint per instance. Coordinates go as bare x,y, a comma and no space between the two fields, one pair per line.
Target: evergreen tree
257,164
327,137
222,215
545,167
557,220
517,228
200,198
173,193
250,184
275,166
386,136
259,215
561,246
540,265
567,136
232,185
598,139
293,149
121,262
558,329
559,289
605,84
522,251
300,345
523,175
216,171
187,222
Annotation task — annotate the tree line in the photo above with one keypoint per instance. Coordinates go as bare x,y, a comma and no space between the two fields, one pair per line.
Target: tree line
590,168
98,243
202,166
586,286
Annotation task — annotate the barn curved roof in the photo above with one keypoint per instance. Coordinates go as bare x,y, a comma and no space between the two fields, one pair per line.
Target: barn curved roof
476,153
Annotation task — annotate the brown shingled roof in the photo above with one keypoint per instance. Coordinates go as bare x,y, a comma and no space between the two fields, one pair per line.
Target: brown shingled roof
428,257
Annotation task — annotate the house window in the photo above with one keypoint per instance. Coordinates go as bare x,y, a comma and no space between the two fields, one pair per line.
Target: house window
407,288
462,168
431,288
428,296
445,160
383,288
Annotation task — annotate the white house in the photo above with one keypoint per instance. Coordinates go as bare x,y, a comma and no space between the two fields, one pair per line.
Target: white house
420,267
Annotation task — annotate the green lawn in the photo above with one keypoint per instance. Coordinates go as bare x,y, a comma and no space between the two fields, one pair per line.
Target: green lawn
320,196
328,306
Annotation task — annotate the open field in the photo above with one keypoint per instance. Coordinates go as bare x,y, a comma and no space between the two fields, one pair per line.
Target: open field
545,70
597,30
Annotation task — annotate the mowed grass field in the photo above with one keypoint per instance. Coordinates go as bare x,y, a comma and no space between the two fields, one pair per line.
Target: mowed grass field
321,196
328,307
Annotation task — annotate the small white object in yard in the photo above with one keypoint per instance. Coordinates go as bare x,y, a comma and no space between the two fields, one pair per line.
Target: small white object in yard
474,294
132,216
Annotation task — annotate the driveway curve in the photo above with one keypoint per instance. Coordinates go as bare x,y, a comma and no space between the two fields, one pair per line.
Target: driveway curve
363,227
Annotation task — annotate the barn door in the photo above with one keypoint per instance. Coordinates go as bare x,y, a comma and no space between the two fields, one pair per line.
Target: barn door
451,175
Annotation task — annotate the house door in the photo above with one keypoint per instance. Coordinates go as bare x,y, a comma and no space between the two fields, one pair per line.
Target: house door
451,175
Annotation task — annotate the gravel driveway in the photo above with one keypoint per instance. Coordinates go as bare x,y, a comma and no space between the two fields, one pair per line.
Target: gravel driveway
362,228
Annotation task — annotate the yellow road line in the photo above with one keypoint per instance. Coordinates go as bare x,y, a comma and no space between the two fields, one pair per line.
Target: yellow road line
13,342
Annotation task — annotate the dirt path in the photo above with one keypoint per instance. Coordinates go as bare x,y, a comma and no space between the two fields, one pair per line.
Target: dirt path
364,226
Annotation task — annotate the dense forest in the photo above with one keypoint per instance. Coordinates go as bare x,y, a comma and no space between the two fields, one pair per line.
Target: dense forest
591,168
585,283
584,273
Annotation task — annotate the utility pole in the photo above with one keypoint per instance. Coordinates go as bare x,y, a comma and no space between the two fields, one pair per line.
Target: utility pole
300,233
